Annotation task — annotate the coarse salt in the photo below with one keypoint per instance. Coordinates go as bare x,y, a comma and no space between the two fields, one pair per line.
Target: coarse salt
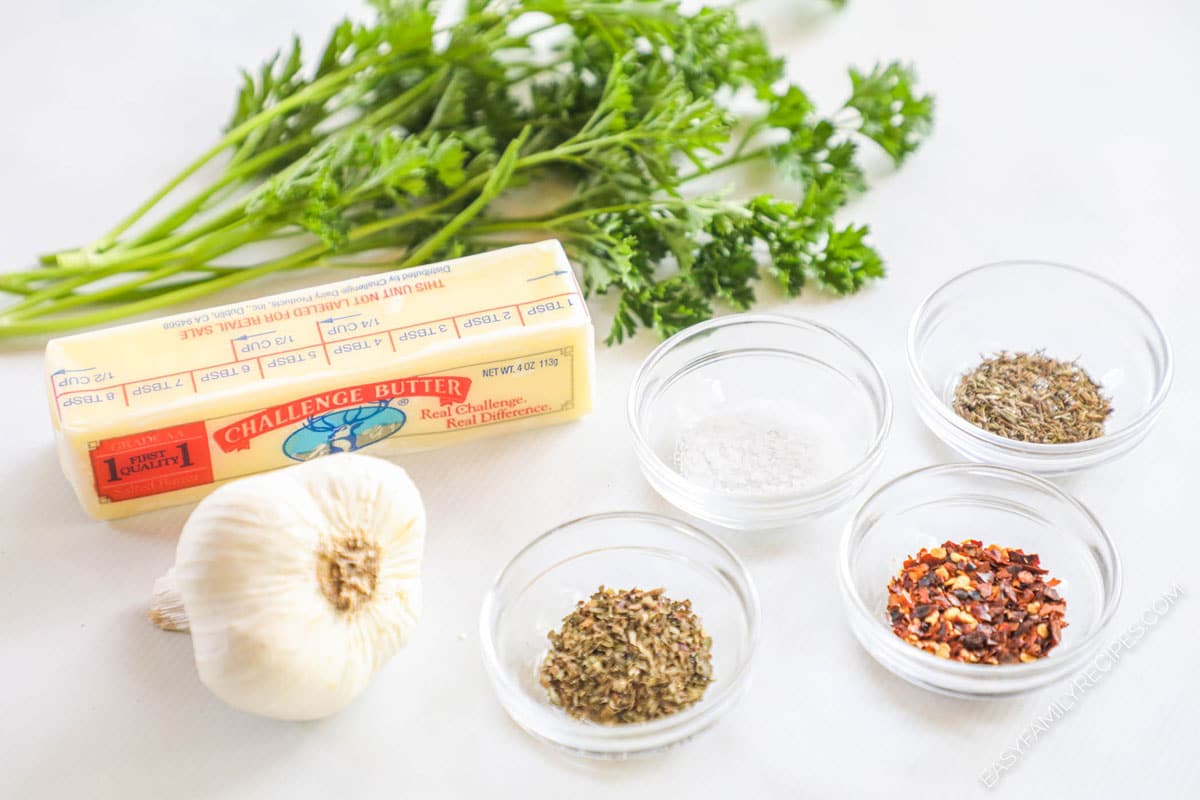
758,449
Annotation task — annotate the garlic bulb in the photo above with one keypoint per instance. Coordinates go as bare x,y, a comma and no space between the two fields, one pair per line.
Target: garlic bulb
298,584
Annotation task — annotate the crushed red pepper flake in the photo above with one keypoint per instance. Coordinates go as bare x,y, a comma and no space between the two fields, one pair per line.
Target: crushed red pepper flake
987,605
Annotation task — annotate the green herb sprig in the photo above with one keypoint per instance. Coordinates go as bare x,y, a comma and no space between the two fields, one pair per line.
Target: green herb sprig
404,142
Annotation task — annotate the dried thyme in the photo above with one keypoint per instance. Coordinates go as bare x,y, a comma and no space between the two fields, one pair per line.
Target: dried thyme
967,602
1029,397
627,656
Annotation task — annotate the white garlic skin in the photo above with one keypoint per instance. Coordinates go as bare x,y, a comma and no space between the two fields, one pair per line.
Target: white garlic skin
267,638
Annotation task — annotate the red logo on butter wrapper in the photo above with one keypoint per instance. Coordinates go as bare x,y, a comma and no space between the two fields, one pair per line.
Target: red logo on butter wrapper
448,389
152,462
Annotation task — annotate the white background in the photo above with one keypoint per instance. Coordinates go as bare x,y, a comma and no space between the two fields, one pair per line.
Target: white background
1065,131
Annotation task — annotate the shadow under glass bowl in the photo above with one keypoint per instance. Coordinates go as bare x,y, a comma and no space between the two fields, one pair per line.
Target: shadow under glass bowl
1027,306
759,389
623,550
999,506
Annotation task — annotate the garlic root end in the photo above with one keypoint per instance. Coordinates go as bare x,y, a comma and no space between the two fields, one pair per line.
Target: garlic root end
166,606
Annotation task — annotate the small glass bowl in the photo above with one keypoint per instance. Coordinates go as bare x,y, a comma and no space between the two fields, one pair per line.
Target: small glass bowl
752,381
996,505
623,550
1026,306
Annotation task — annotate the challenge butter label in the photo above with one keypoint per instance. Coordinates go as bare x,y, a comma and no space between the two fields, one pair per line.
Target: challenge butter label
344,411
158,412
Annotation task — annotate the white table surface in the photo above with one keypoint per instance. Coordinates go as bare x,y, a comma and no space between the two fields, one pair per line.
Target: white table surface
1065,131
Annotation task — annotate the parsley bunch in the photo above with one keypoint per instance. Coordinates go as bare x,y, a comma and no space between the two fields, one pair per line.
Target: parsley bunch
406,142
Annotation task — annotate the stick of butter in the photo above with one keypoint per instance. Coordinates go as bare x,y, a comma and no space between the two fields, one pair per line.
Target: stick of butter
160,412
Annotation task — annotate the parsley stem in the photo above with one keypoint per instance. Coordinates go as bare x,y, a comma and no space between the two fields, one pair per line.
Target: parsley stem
243,170
42,325
232,237
726,163
320,89
154,252
251,166
554,222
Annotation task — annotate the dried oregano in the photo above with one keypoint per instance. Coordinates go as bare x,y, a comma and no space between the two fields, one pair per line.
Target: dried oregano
627,656
1029,397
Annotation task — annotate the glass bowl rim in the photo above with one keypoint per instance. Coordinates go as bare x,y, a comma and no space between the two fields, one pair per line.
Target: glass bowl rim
815,493
555,725
905,652
945,413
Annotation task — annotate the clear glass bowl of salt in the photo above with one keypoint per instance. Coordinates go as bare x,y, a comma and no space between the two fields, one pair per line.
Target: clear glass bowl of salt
755,421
